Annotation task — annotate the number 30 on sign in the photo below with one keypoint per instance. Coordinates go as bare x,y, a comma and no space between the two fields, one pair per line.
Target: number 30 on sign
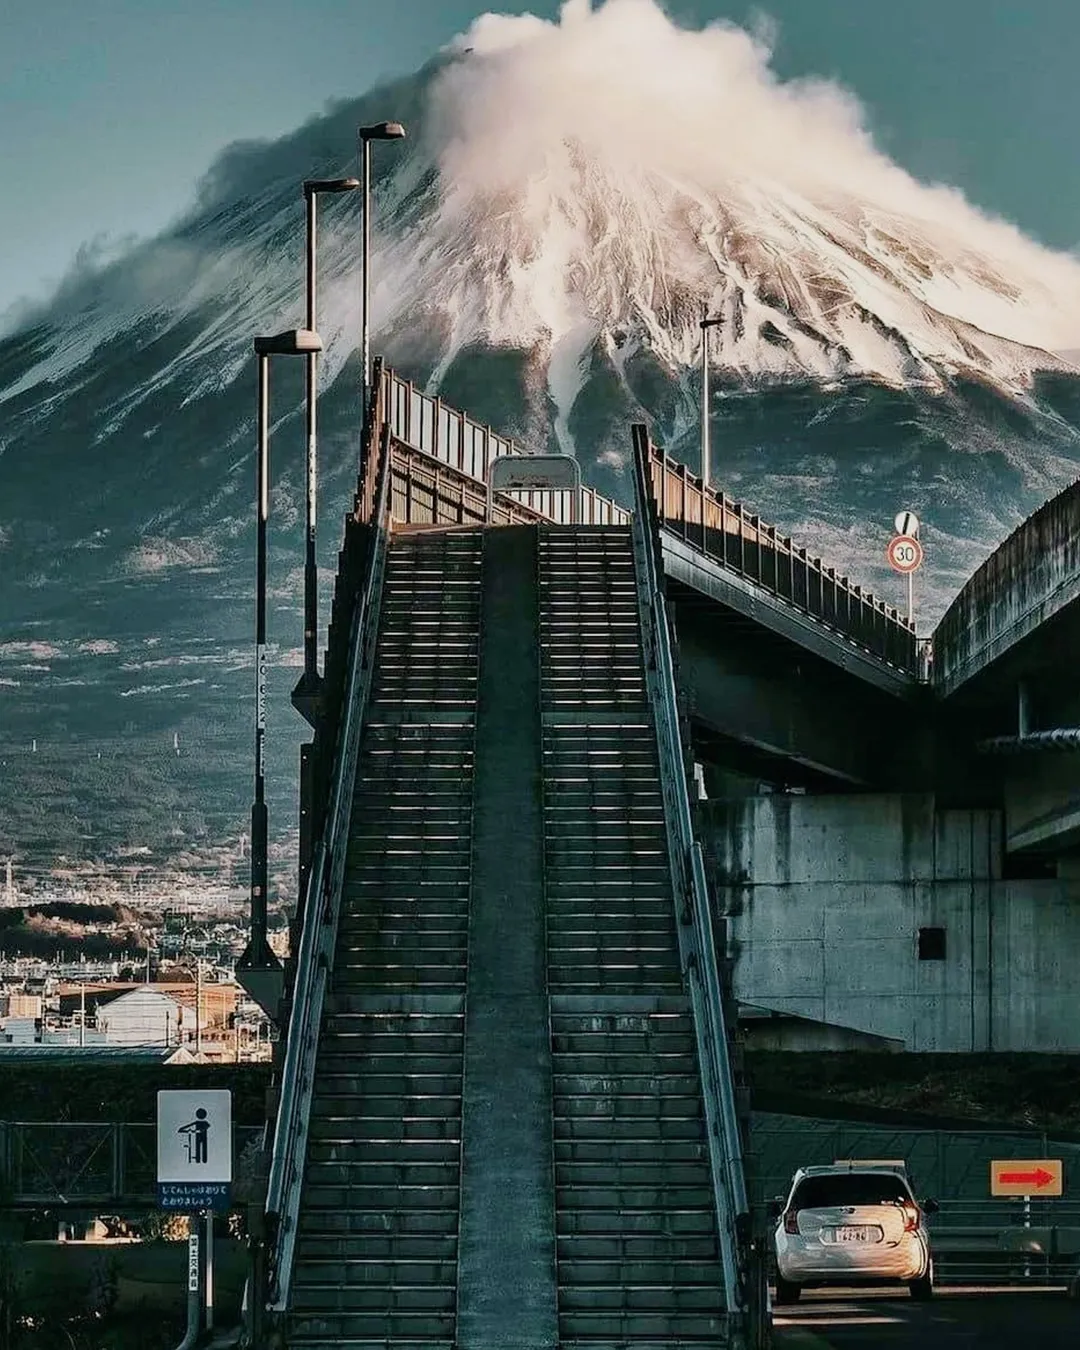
904,553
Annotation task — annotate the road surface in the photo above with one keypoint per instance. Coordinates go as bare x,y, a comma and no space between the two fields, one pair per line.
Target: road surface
955,1319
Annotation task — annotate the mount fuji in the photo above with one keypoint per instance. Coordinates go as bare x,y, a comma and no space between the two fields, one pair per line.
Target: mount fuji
571,197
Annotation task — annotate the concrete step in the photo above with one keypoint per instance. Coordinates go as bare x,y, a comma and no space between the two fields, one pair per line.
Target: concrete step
353,1108
642,1222
330,1128
595,1128
379,1247
361,1152
615,1025
568,949
622,1106
334,1223
421,945
366,1086
606,1329
390,1332
383,975
318,1341
365,892
365,1060
619,1151
631,1298
422,1014
659,1197
583,1051
621,1174
358,930
621,1247
368,1173
379,1199
613,979
354,1272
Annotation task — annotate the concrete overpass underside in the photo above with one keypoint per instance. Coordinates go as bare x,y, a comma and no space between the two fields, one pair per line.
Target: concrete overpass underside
1006,656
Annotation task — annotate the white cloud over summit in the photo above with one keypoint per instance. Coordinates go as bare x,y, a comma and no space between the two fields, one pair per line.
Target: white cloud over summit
542,126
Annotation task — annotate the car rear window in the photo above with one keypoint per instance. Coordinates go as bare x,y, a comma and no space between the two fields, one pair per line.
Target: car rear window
850,1188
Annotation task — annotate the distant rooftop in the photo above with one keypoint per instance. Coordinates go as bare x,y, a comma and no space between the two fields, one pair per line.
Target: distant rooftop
96,1054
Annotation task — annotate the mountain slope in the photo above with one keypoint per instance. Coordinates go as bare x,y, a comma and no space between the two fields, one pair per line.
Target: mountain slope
546,240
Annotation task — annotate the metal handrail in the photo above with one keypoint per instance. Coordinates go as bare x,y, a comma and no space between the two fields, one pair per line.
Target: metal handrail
431,426
696,941
316,956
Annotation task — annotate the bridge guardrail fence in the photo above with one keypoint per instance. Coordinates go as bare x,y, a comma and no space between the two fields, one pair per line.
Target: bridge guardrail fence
322,905
695,929
740,541
467,447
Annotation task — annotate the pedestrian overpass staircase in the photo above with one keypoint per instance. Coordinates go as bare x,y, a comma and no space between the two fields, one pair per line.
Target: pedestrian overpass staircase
508,1114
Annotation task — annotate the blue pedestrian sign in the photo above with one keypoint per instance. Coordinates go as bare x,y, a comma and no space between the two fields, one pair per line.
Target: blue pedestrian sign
194,1149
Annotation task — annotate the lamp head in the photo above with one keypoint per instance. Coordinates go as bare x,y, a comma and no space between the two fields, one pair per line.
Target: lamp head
382,131
293,342
316,186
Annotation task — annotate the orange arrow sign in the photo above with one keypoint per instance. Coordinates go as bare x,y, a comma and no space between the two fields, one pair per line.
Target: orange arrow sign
1038,1176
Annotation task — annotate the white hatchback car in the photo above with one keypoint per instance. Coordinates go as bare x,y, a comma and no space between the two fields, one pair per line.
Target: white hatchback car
852,1223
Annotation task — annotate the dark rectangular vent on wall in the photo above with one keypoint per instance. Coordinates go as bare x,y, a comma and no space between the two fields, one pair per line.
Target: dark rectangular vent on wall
931,944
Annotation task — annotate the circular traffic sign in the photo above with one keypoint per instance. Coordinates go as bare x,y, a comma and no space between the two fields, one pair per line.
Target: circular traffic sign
904,553
907,522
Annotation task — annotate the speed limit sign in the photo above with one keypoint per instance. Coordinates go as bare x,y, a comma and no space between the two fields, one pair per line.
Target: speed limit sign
904,553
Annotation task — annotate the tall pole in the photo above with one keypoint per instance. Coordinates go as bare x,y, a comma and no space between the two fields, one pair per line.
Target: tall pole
258,806
365,263
705,402
911,598
705,325
311,580
258,969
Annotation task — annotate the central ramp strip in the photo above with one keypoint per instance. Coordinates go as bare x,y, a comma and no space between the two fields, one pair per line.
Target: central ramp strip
506,1281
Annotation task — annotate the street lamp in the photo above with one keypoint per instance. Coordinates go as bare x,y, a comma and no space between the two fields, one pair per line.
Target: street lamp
380,131
705,324
258,969
305,696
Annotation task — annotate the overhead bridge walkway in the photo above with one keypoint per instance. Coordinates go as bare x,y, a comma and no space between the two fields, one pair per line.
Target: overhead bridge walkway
508,1113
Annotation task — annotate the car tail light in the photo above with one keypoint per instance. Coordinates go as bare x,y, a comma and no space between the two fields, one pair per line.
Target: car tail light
791,1221
911,1219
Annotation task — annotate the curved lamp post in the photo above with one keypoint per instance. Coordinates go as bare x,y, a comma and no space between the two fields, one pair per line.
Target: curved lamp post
380,131
305,696
259,970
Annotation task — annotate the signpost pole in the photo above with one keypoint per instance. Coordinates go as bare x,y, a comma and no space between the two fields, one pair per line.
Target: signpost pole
208,1283
194,1301
911,598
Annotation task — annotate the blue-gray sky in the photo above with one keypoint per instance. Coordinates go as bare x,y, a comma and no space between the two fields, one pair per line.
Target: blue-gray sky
112,109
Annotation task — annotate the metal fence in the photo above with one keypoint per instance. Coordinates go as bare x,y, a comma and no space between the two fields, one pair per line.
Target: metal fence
422,494
468,448
975,1237
740,541
74,1164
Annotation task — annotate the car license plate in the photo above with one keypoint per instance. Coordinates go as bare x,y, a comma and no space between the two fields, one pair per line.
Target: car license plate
852,1232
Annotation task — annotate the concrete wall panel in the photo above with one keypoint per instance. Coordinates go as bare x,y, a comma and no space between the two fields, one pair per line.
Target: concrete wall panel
826,896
